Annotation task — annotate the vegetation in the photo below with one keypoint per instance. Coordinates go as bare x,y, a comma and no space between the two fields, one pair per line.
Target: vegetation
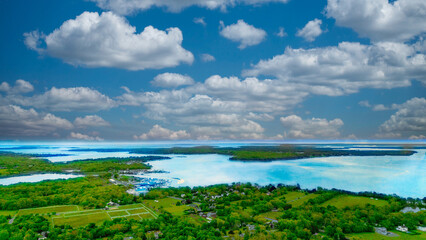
269,153
240,211
88,192
13,164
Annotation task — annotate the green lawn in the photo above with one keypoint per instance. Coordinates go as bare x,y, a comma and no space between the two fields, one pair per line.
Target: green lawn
44,210
136,211
82,219
350,201
131,206
71,214
7,213
117,213
376,236
164,202
273,215
291,196
177,210
299,201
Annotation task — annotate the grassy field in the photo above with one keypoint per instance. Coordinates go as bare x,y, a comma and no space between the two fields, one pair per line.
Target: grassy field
177,210
52,209
301,200
376,236
350,201
73,216
164,202
7,213
273,215
81,219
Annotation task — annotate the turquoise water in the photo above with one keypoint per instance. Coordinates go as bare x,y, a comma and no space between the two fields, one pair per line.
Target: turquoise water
401,175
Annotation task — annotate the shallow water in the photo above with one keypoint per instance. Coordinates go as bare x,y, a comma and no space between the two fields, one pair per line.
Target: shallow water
402,175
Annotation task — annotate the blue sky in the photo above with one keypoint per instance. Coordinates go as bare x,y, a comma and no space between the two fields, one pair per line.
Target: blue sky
220,69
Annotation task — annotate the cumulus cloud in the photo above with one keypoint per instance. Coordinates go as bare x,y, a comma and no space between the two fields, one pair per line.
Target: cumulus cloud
311,128
80,136
107,40
219,108
281,32
200,21
19,122
159,133
69,99
418,137
131,6
375,107
247,35
409,120
21,86
172,80
207,57
380,20
346,68
90,121
311,30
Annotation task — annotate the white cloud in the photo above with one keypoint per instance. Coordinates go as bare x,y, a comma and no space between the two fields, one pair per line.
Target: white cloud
90,121
172,80
131,6
311,128
107,40
380,20
418,137
376,107
311,30
21,86
200,20
80,136
346,68
159,133
380,107
247,35
18,122
207,57
70,99
219,108
409,120
281,32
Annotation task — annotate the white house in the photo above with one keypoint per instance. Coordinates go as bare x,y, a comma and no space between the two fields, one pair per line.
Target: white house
402,228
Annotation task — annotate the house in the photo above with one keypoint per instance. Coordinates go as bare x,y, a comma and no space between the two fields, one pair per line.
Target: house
381,230
251,227
402,228
420,228
413,210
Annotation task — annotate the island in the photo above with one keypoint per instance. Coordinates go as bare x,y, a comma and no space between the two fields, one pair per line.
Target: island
270,153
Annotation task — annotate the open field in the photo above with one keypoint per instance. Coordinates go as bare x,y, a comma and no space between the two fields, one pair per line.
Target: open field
376,236
273,215
177,210
164,202
350,201
7,213
301,200
73,216
52,209
82,219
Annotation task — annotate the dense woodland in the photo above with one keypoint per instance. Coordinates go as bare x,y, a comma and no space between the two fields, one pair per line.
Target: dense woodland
269,153
13,164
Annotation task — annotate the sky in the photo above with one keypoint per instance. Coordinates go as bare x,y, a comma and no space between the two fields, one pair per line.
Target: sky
212,70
